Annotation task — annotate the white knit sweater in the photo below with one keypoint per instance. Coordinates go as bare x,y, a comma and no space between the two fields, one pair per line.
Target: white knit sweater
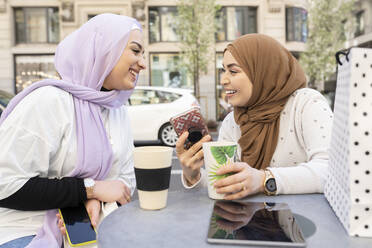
300,160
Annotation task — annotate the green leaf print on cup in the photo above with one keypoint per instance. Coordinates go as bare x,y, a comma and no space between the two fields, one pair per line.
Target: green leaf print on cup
223,155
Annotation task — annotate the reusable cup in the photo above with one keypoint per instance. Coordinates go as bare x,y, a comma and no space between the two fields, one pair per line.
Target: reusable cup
152,167
216,155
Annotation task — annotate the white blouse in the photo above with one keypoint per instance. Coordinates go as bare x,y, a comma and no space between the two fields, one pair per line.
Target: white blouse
39,139
300,160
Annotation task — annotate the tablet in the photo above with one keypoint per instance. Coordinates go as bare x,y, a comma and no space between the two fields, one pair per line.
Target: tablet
254,223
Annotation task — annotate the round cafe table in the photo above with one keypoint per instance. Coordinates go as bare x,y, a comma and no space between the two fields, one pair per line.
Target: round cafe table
185,221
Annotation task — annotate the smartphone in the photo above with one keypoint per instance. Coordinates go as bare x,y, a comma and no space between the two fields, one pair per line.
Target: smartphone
191,121
79,229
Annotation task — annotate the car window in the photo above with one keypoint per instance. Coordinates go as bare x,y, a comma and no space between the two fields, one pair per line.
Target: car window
140,97
167,97
5,98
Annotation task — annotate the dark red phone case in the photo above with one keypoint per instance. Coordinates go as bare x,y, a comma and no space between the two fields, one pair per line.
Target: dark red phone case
188,119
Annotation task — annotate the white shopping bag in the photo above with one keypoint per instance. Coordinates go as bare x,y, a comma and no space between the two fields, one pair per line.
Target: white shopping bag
349,185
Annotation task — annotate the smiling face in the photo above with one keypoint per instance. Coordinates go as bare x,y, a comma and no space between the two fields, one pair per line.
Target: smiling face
123,76
237,86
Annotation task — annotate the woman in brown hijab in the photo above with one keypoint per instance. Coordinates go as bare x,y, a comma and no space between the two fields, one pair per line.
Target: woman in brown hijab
281,127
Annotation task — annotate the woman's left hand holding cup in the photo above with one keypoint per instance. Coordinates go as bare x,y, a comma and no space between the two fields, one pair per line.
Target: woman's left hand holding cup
244,181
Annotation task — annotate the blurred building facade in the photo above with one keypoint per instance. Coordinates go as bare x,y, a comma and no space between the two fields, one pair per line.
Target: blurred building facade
363,21
31,30
360,37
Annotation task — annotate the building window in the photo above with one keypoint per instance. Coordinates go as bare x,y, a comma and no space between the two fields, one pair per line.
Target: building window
359,22
233,22
90,16
296,24
222,106
162,24
166,71
36,25
32,68
295,54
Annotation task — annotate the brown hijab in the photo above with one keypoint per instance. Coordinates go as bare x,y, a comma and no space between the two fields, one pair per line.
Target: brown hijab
275,75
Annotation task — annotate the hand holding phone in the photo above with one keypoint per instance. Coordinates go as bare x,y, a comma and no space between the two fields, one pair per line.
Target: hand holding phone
79,229
192,122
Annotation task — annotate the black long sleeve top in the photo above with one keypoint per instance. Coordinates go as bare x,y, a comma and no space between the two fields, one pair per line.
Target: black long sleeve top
43,194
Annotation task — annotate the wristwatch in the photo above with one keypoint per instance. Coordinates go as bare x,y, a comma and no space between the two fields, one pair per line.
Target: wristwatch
269,183
269,205
89,185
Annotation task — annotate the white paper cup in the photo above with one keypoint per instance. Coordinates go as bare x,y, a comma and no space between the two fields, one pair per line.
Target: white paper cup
216,155
152,166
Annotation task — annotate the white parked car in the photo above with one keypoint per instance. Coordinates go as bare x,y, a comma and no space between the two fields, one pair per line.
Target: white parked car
150,109
4,100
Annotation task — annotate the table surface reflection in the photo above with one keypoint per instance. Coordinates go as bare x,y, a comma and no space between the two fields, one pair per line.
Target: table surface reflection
185,221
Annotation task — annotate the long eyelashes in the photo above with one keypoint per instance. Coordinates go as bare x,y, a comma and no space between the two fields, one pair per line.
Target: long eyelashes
136,51
231,71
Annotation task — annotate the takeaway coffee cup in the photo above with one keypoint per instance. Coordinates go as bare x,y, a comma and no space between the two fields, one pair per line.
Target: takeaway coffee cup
216,155
152,167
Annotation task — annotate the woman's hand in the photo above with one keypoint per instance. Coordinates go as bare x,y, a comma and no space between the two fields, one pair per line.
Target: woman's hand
93,207
111,191
192,159
61,227
245,181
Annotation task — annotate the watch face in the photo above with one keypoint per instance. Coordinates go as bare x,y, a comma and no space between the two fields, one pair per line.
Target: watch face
270,204
88,182
271,185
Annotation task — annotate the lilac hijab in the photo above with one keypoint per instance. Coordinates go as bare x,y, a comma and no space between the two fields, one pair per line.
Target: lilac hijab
83,60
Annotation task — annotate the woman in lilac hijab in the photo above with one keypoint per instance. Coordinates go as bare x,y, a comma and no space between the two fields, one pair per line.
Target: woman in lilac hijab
67,142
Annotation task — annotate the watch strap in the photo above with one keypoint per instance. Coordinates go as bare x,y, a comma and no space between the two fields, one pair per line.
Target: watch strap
89,186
